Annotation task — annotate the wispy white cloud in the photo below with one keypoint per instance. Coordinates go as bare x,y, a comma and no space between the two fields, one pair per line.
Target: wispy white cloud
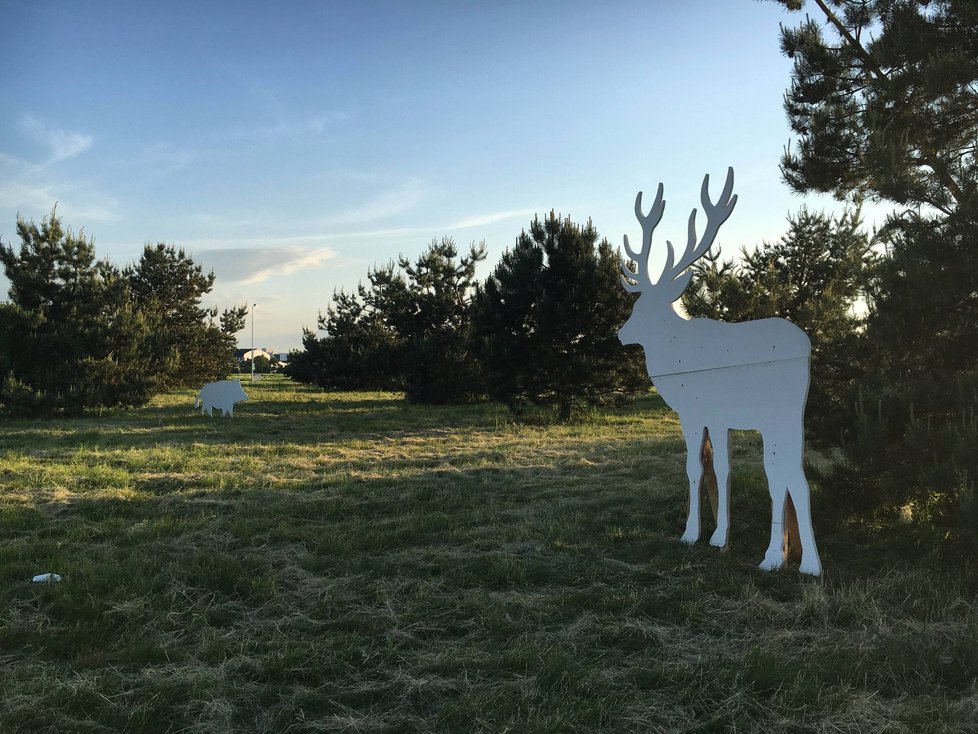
397,200
481,220
62,143
276,120
251,265
286,127
26,197
298,241
29,189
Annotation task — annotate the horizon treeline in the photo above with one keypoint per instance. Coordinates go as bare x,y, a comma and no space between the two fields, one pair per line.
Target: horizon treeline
541,329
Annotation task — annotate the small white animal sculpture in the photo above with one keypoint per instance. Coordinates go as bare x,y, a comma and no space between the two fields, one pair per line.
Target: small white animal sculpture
720,376
222,395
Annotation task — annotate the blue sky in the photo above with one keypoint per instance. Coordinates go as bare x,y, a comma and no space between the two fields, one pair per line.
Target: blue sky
291,146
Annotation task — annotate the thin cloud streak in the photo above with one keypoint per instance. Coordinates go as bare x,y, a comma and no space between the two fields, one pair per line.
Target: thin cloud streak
32,189
301,126
249,266
484,219
389,203
468,223
63,143
36,199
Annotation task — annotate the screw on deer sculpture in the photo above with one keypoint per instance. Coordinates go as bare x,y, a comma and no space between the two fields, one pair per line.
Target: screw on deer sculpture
719,376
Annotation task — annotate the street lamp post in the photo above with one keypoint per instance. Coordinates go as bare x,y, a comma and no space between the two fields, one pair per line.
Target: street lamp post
253,341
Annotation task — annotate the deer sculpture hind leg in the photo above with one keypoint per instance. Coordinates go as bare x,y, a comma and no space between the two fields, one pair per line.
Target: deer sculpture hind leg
798,491
786,478
792,540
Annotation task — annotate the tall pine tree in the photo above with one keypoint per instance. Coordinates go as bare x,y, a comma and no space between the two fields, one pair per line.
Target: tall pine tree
884,101
358,352
426,305
546,321
409,329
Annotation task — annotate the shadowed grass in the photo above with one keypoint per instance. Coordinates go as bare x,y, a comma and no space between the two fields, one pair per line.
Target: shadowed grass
348,562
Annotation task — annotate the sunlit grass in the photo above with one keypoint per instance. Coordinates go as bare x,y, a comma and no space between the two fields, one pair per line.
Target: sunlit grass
349,562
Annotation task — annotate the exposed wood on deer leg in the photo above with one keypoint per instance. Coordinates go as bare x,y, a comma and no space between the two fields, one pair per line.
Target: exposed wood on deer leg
792,540
709,474
715,458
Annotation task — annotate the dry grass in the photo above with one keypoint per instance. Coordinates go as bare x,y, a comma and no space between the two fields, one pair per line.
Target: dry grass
347,562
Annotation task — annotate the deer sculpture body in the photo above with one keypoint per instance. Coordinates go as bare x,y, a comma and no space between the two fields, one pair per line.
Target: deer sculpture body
719,376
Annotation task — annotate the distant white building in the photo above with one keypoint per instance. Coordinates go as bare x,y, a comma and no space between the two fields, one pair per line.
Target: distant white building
256,353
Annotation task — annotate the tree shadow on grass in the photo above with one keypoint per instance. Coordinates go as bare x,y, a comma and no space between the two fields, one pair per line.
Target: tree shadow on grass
322,417
326,419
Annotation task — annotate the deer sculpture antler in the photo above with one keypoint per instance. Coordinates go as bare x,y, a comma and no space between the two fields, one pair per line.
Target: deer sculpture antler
675,274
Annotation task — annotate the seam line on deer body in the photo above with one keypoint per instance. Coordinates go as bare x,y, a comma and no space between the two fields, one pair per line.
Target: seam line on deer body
726,367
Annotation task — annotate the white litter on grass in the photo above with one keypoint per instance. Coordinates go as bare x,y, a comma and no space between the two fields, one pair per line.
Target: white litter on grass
46,578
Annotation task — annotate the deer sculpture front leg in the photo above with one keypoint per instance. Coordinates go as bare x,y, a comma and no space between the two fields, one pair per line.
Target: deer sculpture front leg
695,438
721,465
694,473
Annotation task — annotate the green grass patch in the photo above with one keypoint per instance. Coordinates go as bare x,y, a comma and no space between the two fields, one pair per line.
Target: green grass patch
350,562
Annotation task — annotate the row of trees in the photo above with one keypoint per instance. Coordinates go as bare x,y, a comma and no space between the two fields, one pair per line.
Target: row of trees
541,329
81,333
884,103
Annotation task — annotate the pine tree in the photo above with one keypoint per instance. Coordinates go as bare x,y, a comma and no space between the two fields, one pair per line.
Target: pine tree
426,305
407,329
188,348
546,321
72,338
358,351
886,106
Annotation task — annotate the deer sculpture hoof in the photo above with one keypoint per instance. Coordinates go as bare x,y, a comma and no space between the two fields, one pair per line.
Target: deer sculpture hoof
690,536
773,560
719,539
811,567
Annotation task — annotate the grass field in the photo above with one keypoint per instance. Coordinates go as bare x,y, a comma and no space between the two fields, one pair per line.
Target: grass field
348,562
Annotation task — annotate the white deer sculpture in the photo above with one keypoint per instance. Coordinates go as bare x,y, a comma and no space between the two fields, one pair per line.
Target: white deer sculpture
719,376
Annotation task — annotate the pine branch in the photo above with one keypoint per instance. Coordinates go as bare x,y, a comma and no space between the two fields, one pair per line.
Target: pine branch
853,43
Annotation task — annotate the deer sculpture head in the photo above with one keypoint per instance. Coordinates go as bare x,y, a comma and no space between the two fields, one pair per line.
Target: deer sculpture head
658,295
719,376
